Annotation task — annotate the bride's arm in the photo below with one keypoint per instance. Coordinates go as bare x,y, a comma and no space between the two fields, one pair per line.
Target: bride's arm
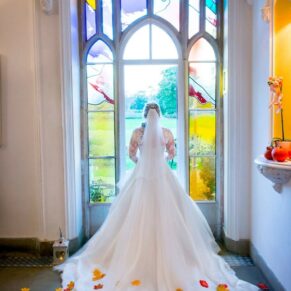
133,146
170,145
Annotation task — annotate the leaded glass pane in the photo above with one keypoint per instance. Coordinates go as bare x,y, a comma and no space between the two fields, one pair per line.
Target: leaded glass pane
202,51
100,87
99,53
131,10
138,47
143,83
102,180
202,132
90,20
194,17
202,178
163,46
101,134
211,17
202,85
169,10
107,18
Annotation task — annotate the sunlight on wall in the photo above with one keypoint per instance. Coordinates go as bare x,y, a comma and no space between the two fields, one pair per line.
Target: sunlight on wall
282,61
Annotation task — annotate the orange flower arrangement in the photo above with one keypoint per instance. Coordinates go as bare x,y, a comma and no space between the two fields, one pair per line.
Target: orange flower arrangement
276,88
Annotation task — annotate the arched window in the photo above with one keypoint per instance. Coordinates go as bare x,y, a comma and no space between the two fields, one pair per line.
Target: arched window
151,50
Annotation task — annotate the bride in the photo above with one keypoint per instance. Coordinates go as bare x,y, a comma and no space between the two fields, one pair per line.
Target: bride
155,238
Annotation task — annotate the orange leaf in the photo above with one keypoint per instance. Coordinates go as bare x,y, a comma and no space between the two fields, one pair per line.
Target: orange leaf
135,283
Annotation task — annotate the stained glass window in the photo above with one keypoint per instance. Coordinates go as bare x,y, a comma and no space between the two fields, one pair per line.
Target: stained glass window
135,52
211,17
107,18
100,98
90,19
194,17
202,121
132,10
169,10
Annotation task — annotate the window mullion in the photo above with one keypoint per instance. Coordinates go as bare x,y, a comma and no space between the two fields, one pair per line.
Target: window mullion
202,15
150,7
98,17
184,25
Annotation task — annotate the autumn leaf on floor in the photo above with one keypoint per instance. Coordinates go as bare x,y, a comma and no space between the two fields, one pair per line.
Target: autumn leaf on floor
97,287
263,286
97,275
203,283
222,287
24,289
179,289
135,283
70,286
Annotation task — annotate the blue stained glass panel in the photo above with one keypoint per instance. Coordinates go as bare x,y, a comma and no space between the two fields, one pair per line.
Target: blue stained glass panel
90,21
99,53
107,18
131,10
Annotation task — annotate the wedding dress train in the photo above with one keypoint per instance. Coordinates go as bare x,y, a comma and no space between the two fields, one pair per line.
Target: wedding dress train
155,238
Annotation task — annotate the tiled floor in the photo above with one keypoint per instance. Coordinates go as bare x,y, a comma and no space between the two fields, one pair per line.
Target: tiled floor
44,279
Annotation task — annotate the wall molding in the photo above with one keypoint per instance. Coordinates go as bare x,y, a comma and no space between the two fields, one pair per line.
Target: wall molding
38,114
70,92
237,118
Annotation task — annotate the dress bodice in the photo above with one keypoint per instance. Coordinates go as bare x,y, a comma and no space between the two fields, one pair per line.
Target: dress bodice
136,143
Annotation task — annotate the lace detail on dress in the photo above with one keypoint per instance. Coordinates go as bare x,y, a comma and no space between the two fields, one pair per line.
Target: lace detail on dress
136,141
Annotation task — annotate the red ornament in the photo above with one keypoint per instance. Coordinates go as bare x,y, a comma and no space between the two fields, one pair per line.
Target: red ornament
279,154
268,153
263,286
203,283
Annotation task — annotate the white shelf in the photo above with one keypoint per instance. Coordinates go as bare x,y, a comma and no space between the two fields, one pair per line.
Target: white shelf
278,173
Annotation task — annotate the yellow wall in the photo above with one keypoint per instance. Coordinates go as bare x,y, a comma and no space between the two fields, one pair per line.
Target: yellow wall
282,62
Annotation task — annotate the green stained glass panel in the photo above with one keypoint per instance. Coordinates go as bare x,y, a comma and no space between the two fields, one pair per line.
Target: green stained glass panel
202,178
101,134
202,133
102,180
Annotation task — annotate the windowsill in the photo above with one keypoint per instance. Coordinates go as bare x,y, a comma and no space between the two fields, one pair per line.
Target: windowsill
278,173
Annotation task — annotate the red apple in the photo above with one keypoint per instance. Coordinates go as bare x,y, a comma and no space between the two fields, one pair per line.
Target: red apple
268,153
279,154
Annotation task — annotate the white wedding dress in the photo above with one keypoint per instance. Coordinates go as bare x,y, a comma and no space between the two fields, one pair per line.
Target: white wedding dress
155,238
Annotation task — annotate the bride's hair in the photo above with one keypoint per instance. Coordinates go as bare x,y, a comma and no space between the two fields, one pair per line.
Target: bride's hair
149,106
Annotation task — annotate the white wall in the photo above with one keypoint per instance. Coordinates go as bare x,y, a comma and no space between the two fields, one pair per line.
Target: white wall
31,156
271,212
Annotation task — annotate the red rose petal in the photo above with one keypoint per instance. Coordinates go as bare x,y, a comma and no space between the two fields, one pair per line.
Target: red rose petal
203,283
263,286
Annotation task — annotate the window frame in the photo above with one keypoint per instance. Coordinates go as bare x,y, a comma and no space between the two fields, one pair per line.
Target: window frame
184,45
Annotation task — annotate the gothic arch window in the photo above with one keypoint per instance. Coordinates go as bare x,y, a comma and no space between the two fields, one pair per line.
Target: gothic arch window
151,50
